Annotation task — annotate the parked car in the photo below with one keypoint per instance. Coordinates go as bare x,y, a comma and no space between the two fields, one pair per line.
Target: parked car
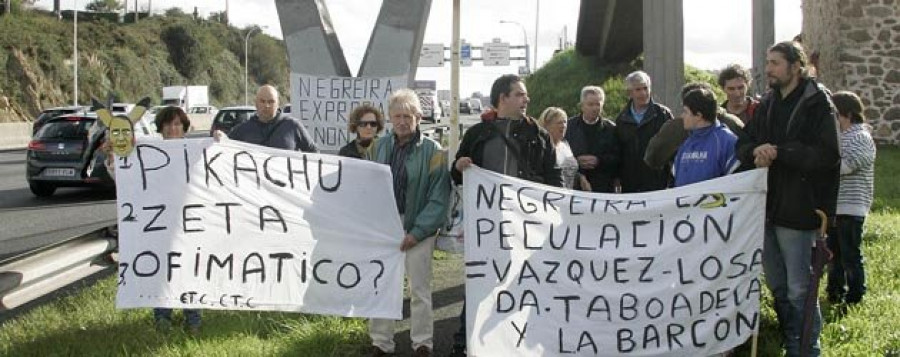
121,108
150,114
445,108
146,127
476,105
65,153
202,109
465,107
230,117
51,113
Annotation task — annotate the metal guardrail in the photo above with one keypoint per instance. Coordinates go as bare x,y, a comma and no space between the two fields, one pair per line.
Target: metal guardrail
37,273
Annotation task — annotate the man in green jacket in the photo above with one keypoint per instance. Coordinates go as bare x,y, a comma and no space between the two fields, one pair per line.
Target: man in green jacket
422,192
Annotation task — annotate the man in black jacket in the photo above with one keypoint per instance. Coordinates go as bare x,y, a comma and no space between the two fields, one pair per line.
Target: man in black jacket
635,126
593,141
794,134
510,143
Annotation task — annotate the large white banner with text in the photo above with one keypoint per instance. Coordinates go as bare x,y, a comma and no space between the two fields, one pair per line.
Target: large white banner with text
324,104
243,227
556,272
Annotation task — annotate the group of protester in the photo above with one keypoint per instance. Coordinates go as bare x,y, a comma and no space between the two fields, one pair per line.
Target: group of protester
815,144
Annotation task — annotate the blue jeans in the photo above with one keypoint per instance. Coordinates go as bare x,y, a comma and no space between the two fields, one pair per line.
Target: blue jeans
191,316
787,255
847,266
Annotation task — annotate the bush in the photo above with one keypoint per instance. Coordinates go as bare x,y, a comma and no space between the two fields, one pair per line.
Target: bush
188,48
131,60
558,83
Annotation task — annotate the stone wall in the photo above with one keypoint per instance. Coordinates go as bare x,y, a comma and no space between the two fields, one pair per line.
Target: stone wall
859,50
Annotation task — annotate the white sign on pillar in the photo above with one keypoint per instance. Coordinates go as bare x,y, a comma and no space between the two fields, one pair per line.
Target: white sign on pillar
495,53
465,54
432,55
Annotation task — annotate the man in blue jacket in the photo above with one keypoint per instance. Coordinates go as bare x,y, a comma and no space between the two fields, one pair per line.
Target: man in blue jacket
794,134
709,151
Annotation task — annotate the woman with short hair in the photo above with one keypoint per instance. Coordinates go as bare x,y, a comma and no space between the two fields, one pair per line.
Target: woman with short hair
555,121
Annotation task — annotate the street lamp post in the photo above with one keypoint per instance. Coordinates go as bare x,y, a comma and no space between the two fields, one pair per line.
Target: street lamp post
537,16
75,54
524,37
247,60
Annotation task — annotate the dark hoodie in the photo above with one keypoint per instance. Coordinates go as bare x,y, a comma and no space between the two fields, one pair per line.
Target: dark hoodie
805,174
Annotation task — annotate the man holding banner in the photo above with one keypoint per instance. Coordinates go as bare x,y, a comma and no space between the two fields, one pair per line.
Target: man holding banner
511,144
270,127
422,192
794,134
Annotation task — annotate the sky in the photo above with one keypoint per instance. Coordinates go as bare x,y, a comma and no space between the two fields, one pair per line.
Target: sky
717,32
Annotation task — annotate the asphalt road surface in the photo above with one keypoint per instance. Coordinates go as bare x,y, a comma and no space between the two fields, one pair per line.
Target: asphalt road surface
31,222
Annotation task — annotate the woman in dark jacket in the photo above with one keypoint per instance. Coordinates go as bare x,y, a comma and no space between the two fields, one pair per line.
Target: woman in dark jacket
366,121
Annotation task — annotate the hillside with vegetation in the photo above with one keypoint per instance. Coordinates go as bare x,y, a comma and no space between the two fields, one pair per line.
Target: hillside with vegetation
128,60
558,83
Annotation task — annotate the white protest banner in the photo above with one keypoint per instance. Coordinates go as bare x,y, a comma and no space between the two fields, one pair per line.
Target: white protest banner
556,272
323,104
237,226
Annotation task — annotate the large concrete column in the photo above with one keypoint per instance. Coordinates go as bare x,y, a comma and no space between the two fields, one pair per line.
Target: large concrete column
396,41
664,50
313,46
763,37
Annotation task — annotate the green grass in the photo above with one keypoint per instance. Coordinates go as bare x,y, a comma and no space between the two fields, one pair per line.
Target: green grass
871,328
87,324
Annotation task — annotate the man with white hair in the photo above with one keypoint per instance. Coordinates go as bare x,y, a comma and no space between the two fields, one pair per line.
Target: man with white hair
593,141
422,192
635,126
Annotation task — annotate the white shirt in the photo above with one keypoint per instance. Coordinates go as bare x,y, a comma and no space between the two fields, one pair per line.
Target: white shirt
567,164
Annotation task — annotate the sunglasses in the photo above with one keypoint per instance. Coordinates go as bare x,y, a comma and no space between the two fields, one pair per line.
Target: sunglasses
371,124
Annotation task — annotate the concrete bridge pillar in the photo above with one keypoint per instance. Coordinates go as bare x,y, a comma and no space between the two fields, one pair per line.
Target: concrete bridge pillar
763,37
664,50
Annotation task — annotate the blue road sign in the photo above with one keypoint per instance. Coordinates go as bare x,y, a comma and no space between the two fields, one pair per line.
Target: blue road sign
465,54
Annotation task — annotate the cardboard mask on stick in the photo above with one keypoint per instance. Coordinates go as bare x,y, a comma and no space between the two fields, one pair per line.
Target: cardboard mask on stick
120,128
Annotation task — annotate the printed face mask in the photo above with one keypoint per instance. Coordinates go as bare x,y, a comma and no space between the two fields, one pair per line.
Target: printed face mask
121,136
121,128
